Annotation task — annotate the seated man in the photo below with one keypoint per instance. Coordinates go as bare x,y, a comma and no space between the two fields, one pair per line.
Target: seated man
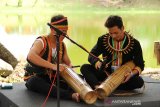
120,45
42,67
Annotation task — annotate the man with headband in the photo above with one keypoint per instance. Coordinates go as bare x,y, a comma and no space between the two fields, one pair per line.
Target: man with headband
42,59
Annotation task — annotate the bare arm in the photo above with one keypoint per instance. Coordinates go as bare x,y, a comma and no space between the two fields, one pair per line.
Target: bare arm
34,56
66,59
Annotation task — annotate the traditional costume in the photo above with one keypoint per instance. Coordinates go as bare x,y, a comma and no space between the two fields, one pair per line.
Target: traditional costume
128,49
39,79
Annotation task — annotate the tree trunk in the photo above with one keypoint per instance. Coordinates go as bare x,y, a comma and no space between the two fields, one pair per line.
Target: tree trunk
20,3
35,2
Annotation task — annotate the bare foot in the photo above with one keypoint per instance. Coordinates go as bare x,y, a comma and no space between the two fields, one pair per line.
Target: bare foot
76,97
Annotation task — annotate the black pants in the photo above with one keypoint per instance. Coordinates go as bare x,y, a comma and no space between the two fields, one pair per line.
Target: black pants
41,84
94,77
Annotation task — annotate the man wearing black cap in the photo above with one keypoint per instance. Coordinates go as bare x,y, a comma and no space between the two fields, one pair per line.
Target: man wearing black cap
42,59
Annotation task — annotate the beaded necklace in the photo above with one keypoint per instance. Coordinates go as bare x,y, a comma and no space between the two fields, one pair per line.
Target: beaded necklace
117,54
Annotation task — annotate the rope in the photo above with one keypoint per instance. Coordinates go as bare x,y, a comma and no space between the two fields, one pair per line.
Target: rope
44,103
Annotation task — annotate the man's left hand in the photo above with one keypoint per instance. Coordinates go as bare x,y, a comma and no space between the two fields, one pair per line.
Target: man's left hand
128,75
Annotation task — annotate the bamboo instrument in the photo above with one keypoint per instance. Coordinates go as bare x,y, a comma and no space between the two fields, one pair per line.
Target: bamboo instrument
114,80
79,85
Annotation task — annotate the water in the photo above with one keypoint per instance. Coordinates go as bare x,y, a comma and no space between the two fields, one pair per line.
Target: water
17,32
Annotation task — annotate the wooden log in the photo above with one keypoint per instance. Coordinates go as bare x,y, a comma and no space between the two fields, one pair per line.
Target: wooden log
4,72
7,56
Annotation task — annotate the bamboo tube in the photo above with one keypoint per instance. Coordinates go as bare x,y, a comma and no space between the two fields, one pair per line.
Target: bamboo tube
79,85
114,80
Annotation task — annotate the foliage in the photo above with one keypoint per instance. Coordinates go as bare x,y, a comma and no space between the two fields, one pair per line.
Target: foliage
67,4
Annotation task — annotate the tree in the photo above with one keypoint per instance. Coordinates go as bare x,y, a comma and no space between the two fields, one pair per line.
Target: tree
35,2
20,3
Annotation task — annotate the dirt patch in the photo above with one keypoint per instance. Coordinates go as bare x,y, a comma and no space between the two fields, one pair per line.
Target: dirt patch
16,75
124,3
152,73
104,3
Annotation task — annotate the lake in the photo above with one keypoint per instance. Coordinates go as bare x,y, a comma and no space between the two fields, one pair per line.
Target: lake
18,31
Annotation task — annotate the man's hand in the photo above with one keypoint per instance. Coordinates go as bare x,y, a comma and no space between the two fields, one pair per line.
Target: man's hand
98,65
61,67
128,75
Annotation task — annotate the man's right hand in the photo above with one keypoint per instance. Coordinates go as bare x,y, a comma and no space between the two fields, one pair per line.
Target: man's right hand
61,67
98,65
